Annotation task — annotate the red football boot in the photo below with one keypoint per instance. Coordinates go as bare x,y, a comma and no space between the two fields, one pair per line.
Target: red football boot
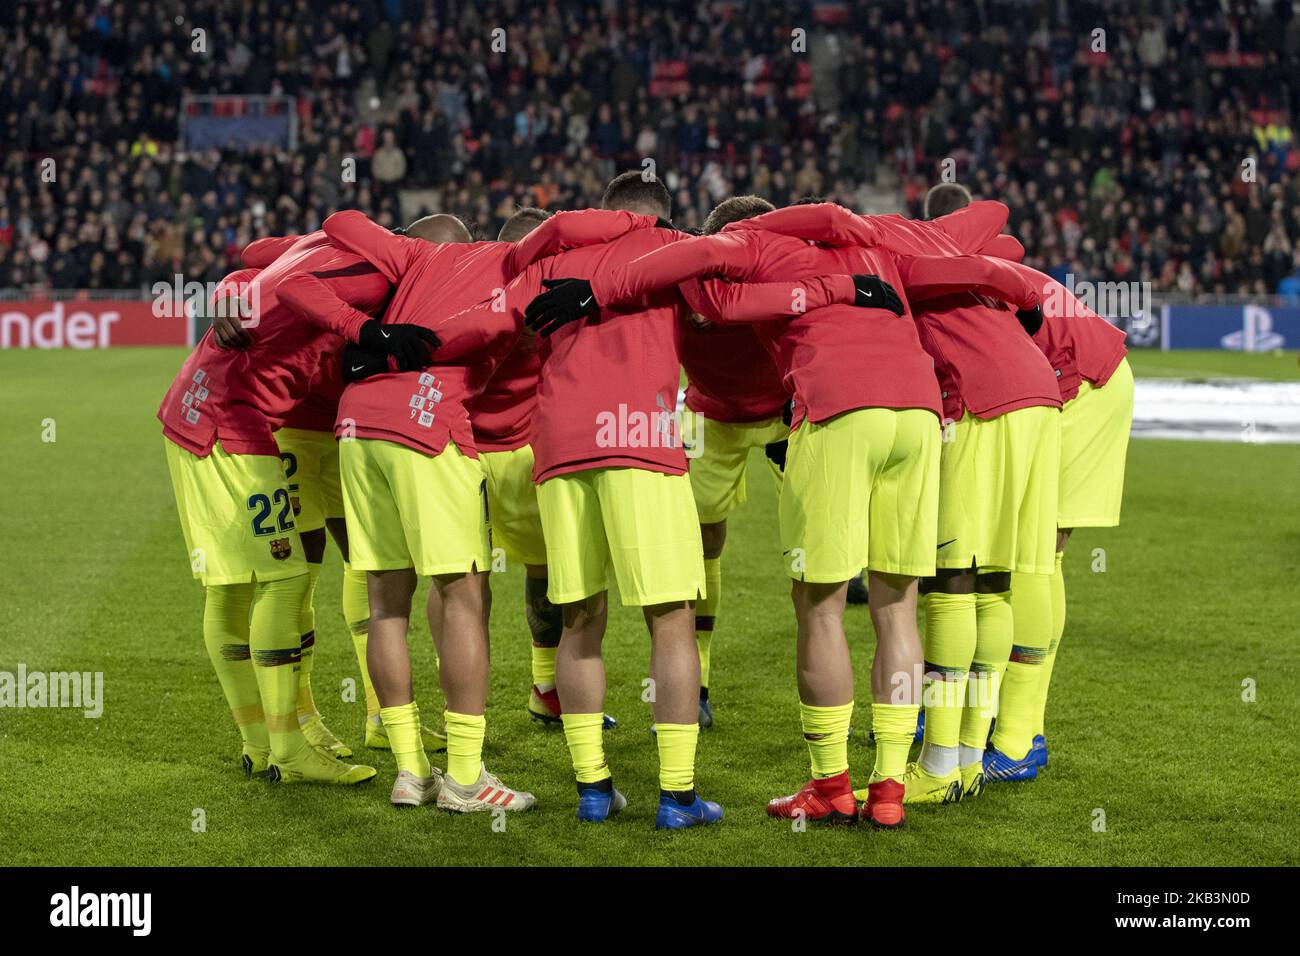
825,801
544,705
884,806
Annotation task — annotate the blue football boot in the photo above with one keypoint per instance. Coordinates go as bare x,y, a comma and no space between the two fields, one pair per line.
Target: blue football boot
706,709
673,815
1039,751
597,802
999,768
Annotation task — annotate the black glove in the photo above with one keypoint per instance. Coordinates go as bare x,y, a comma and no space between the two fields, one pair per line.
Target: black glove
1031,320
359,364
787,411
567,300
873,292
662,223
411,345
775,452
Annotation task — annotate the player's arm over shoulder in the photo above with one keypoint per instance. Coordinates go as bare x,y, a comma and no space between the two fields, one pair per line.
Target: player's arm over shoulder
353,231
572,230
673,258
260,253
726,302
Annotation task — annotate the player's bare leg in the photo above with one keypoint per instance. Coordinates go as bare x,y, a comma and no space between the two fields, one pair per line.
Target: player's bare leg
579,666
824,667
356,612
898,657
580,685
674,663
545,626
389,663
824,672
675,673
387,656
458,608
895,692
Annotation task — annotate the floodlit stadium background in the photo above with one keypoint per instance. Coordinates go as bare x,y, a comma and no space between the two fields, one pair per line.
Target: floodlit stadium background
143,144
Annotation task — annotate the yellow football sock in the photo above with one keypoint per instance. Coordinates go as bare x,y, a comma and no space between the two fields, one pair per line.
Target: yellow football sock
677,755
894,726
546,625
1031,603
307,628
276,646
356,612
543,666
403,726
706,614
582,732
1058,631
826,731
950,639
465,734
994,631
226,609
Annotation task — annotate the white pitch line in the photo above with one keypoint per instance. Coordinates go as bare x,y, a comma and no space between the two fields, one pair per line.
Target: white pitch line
1217,410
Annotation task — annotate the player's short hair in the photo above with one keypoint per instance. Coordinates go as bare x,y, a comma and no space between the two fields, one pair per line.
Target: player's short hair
440,227
945,198
635,193
735,209
809,200
524,221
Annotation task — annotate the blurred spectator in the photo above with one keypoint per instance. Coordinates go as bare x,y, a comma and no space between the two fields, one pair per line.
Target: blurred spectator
1115,130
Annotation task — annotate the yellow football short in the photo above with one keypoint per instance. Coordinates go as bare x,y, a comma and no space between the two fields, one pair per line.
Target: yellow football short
1095,426
236,516
861,491
720,462
311,466
512,505
406,509
997,492
642,522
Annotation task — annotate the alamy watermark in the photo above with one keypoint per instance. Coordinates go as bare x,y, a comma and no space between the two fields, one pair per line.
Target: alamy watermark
1111,299
626,427
77,690
231,300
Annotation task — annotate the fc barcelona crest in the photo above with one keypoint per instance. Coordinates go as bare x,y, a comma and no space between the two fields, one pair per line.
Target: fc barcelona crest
281,548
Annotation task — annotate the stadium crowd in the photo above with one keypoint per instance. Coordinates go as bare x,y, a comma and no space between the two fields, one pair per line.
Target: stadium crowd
1120,152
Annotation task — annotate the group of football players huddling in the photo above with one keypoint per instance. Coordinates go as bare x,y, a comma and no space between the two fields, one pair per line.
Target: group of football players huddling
938,415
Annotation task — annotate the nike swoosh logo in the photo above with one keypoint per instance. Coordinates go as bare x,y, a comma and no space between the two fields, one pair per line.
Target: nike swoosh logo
584,302
946,543
357,368
383,333
865,293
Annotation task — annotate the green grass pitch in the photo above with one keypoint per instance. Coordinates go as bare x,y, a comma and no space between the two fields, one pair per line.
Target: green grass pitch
1147,724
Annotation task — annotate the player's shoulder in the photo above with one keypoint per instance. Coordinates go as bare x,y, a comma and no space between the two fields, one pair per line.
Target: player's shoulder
643,240
238,278
461,255
309,243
